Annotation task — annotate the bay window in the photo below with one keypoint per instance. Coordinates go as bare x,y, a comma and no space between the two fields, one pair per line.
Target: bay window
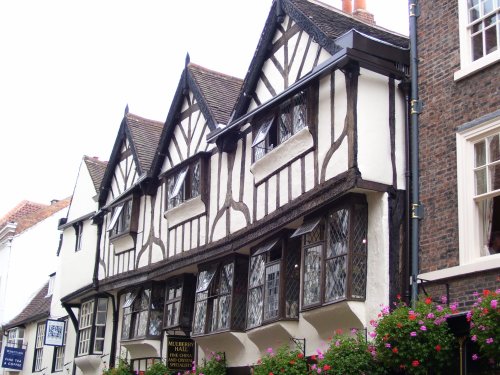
143,312
92,326
122,219
220,297
335,254
273,283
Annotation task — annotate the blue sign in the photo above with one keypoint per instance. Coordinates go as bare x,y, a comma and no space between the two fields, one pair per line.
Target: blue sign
13,358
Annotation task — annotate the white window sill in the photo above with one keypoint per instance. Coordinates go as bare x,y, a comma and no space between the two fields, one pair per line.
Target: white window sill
284,153
485,263
184,211
123,242
475,66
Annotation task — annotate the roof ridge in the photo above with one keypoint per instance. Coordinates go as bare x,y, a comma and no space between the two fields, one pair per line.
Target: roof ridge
208,70
144,119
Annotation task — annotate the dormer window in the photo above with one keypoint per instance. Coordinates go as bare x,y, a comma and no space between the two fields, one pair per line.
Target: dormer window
184,185
279,124
78,235
121,219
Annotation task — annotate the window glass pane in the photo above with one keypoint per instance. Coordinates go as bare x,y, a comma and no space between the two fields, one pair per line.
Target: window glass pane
489,215
271,304
477,46
312,272
490,35
200,314
339,229
480,181
285,124
255,304
126,326
480,153
262,133
226,280
204,279
487,6
195,180
224,304
336,276
256,271
494,149
474,13
494,172
299,113
155,323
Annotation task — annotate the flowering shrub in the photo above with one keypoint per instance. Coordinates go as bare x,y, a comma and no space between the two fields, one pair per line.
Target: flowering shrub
215,364
284,361
123,368
346,355
414,341
485,324
158,368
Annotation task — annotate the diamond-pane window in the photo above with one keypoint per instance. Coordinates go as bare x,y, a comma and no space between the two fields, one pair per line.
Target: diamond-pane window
184,184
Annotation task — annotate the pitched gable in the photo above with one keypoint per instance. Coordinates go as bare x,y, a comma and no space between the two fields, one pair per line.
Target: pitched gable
96,170
204,98
145,135
38,308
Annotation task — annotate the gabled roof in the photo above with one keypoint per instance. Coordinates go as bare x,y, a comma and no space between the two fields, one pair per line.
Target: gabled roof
323,22
143,135
26,214
38,308
216,94
96,170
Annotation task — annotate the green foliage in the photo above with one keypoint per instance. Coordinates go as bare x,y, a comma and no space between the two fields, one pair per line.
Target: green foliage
414,341
123,368
346,355
485,325
284,361
158,368
215,364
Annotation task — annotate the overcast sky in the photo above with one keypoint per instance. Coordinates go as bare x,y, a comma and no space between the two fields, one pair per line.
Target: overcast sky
68,68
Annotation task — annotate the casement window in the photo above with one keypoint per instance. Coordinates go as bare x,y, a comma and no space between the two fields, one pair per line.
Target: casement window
179,297
479,34
279,124
273,282
38,355
184,184
92,326
58,359
15,338
478,176
78,235
141,365
121,219
220,300
52,280
143,312
334,255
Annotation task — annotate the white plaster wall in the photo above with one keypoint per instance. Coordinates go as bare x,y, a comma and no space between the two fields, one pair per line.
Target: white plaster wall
249,180
4,270
374,142
296,179
340,104
309,172
400,138
377,289
82,201
283,176
271,197
37,244
237,221
261,201
214,204
339,162
324,140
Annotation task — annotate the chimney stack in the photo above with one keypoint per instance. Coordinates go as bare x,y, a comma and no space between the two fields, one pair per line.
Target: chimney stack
361,13
347,6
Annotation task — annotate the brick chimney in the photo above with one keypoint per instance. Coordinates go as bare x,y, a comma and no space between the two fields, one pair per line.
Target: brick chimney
347,6
361,13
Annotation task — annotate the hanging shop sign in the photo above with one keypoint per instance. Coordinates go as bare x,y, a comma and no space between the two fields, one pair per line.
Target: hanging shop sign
54,333
180,353
13,358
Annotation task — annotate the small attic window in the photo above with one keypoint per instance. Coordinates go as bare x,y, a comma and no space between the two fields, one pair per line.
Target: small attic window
52,279
121,219
185,184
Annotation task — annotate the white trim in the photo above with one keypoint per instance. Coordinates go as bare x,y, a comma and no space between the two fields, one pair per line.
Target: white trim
469,229
482,264
180,180
115,217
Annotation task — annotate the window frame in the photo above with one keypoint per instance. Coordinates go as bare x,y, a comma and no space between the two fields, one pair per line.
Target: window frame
78,227
354,204
186,171
18,339
271,120
135,310
60,351
38,349
275,251
470,228
467,64
118,226
88,331
186,283
237,296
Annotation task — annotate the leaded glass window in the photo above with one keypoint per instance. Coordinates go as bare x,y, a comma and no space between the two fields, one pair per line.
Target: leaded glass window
335,254
281,123
184,184
272,294
216,301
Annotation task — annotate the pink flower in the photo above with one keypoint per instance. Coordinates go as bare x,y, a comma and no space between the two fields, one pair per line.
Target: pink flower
430,316
413,334
474,338
270,350
475,294
388,345
475,357
337,343
439,308
489,340
494,303
354,331
444,299
373,334
454,306
423,328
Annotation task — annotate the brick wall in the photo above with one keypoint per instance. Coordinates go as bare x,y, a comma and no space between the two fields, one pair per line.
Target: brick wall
447,104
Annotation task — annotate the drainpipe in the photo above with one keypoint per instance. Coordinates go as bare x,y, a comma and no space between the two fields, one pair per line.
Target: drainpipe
415,109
